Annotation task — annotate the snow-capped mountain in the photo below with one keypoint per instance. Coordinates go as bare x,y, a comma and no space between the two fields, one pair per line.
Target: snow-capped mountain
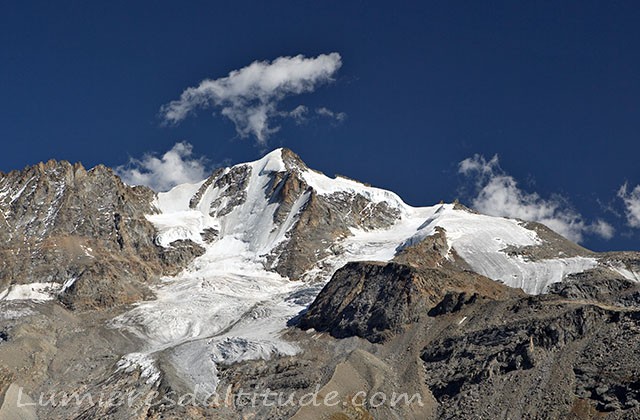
217,270
274,232
283,217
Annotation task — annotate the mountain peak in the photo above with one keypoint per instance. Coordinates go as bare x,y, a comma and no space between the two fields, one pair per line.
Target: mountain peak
280,160
291,159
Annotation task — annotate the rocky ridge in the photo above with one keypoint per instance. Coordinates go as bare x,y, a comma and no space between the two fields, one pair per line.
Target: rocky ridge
85,230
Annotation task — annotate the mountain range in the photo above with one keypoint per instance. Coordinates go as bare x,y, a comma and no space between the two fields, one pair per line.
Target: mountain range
272,277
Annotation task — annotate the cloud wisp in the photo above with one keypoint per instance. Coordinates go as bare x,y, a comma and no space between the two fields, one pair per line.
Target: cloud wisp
249,96
177,166
498,194
325,112
631,201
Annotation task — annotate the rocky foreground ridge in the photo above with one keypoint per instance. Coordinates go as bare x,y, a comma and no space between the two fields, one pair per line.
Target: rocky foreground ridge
270,275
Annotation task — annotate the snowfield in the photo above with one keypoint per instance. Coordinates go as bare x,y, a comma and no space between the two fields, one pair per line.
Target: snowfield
226,307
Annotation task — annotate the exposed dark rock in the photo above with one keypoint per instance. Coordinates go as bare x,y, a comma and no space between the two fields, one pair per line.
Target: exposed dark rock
552,245
453,302
369,300
195,200
209,235
599,285
375,300
233,184
571,355
429,252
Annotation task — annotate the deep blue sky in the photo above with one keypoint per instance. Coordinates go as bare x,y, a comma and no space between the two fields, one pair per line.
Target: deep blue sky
552,87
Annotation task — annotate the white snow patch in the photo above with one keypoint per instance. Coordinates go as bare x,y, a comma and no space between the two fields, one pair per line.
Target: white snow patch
88,251
143,362
67,284
378,245
480,240
32,291
176,220
325,185
271,162
625,272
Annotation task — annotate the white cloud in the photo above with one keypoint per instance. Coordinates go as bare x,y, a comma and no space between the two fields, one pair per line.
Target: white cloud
479,164
249,96
602,229
632,204
299,114
325,112
498,194
163,173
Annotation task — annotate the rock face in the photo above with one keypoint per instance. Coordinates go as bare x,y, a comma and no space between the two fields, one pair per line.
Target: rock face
375,300
82,229
600,286
565,357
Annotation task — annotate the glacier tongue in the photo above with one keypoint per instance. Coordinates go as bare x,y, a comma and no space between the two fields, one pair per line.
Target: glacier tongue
212,315
226,307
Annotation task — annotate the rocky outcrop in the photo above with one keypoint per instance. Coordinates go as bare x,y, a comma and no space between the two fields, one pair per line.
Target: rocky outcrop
600,285
320,221
376,300
568,359
83,229
552,245
369,300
